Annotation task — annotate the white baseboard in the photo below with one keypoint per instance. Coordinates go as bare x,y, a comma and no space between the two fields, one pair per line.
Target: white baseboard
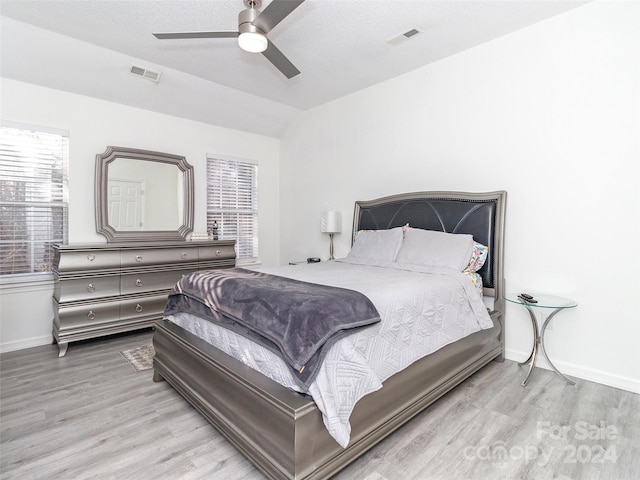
26,343
573,370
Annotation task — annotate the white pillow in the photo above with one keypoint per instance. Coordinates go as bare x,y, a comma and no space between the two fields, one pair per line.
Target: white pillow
375,246
429,248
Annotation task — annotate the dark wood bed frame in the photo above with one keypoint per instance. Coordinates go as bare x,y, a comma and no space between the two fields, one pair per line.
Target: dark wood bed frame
280,431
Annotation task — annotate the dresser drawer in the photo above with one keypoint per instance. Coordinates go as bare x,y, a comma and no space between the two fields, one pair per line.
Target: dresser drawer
155,256
85,317
81,260
216,252
150,281
143,307
86,288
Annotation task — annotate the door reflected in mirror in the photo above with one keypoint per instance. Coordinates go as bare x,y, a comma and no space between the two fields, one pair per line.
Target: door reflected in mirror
144,195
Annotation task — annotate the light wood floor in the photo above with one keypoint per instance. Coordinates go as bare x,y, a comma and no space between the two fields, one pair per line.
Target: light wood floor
89,415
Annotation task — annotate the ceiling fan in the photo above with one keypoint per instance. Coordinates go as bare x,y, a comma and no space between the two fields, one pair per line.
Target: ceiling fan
253,27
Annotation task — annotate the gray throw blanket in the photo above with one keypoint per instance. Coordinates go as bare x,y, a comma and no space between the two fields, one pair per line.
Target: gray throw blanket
298,320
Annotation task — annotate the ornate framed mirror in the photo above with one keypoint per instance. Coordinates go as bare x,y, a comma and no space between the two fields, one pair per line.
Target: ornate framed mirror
143,196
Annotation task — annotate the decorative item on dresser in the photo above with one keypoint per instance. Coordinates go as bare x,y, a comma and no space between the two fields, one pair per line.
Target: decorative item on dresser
105,289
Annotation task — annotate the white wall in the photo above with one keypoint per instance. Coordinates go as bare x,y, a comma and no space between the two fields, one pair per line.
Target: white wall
26,314
549,113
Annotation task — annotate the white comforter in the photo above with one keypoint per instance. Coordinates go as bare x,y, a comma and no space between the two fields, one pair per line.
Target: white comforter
421,312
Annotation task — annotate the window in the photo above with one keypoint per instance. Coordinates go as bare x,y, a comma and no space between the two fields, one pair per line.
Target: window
232,203
33,198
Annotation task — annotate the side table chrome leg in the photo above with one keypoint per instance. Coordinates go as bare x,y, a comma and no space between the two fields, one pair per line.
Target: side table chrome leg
544,352
529,357
534,350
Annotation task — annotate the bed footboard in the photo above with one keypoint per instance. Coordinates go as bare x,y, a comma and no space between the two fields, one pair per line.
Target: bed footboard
280,431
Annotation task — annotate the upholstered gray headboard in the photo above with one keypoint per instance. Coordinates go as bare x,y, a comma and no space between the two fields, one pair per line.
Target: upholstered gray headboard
479,214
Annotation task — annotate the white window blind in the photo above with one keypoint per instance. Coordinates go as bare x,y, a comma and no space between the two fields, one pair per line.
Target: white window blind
232,203
33,198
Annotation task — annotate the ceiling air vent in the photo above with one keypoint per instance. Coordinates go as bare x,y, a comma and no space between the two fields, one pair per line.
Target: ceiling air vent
404,36
145,73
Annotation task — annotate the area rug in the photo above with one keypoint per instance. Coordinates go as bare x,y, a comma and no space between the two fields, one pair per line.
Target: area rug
140,358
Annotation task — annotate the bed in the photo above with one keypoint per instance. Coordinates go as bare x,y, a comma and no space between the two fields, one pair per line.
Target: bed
282,432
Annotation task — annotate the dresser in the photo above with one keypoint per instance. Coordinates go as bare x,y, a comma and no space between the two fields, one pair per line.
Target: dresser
101,289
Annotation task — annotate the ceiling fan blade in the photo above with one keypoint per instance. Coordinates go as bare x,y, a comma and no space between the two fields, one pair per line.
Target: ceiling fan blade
275,12
174,36
279,61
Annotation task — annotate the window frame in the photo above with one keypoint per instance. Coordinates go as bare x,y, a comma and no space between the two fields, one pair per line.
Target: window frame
33,276
254,211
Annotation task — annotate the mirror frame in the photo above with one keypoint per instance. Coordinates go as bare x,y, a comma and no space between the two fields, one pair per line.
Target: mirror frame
101,196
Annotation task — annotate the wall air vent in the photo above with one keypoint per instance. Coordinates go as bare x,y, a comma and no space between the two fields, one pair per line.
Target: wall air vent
404,36
145,73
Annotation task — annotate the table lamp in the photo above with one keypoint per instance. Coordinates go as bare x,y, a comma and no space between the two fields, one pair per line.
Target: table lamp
331,223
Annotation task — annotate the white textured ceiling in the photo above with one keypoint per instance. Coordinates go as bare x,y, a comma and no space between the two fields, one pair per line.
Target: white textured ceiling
340,46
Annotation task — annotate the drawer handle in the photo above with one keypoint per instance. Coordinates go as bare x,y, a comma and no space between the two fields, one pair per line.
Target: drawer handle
138,282
183,255
218,253
138,308
91,315
91,288
138,258
91,257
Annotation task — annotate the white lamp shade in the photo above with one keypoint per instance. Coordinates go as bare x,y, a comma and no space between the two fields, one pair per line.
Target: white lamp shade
253,42
331,222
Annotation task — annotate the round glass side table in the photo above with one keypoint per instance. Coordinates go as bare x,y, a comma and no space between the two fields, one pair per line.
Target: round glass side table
550,302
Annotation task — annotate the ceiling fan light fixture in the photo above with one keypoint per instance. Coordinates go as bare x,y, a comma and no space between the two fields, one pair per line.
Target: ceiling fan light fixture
253,42
253,27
